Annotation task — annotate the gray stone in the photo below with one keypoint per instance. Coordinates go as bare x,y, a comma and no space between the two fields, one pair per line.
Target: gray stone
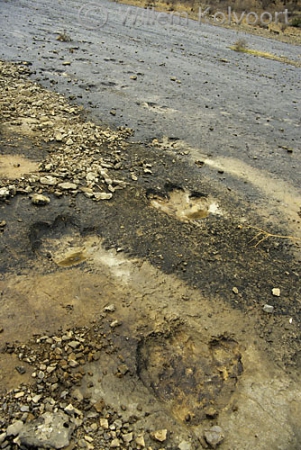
128,437
4,192
184,445
15,428
102,195
48,180
69,409
159,435
110,308
77,395
40,200
268,308
214,436
48,431
140,440
67,186
36,398
74,344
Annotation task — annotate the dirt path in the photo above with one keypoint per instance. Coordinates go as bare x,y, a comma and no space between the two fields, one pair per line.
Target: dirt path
147,309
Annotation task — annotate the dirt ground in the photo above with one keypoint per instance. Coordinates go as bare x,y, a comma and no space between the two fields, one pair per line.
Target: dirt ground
170,281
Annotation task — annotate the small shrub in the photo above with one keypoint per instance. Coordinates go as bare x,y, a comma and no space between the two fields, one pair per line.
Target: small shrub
240,45
296,22
64,37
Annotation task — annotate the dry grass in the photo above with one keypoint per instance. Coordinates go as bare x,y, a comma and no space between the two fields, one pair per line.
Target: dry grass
262,235
241,46
64,37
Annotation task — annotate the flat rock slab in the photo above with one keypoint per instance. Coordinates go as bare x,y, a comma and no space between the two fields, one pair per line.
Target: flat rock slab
48,431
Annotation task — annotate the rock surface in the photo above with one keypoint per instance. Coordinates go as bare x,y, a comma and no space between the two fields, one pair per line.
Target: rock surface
214,437
50,430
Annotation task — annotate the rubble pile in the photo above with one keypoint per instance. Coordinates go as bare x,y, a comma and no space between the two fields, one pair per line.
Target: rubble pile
82,156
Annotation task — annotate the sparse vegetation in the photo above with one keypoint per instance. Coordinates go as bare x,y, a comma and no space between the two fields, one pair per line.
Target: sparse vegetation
296,22
284,27
240,45
64,37
262,235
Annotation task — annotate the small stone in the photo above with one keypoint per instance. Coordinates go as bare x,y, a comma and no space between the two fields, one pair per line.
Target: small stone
19,395
276,292
102,196
173,78
82,443
104,423
40,200
91,176
69,409
15,428
159,435
113,112
77,395
115,324
58,137
21,370
67,186
140,440
214,436
268,308
73,363
211,412
110,308
48,167
128,437
48,180
122,370
4,193
99,407
115,443
25,409
133,77
2,224
69,141
74,344
36,398
184,445
66,63
235,290
50,369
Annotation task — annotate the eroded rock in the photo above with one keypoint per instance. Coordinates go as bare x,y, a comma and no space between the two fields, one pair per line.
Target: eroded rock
50,430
